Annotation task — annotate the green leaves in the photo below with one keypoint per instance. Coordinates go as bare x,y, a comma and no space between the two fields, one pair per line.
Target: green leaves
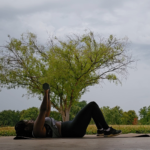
128,117
111,77
29,114
145,115
117,116
76,108
9,117
69,66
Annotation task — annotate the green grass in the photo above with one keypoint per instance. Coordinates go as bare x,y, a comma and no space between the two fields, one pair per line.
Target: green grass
10,131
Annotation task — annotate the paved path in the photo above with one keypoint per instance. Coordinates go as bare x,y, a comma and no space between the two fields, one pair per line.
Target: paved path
88,142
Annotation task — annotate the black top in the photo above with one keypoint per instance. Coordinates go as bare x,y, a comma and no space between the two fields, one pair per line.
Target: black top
48,130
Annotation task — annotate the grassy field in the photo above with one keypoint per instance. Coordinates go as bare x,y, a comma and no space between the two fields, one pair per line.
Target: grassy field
10,131
124,128
7,131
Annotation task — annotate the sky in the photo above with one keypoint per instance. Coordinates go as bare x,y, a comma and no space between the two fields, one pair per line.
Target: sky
122,18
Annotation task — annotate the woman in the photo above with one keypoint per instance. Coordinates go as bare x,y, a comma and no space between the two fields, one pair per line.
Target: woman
44,126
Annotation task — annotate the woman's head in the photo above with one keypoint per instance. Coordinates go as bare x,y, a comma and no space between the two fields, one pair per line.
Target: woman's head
24,128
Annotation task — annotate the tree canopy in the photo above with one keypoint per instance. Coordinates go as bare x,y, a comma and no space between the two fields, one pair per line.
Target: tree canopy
128,117
29,114
9,117
112,115
116,115
69,66
145,115
76,108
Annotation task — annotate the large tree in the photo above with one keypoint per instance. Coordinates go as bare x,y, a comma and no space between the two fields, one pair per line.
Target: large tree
70,66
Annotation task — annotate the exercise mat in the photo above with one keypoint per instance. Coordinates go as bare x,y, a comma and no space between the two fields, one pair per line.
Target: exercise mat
133,135
129,135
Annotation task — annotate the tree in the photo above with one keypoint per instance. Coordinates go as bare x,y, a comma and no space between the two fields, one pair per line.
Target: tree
112,115
116,115
56,115
125,118
128,117
29,114
135,121
69,66
148,115
107,113
76,108
145,115
9,117
132,114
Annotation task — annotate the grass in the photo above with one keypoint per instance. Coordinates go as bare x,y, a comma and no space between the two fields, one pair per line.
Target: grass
10,131
7,131
124,128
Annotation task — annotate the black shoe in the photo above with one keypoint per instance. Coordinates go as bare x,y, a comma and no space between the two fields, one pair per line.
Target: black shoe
112,132
46,86
100,132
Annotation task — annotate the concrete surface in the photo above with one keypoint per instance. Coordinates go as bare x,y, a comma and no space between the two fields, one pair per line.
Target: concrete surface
88,142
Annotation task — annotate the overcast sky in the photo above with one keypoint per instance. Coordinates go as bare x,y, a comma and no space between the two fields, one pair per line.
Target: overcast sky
121,18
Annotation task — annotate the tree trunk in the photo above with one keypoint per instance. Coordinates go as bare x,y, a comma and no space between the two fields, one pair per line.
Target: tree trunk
65,115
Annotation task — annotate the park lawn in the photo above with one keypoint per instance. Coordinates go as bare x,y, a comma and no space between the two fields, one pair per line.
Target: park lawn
124,128
10,131
7,131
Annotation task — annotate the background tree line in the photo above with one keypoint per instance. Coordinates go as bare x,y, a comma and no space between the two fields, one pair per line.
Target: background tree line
113,115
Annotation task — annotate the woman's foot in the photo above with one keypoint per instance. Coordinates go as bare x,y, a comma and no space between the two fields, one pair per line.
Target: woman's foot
46,86
100,132
111,132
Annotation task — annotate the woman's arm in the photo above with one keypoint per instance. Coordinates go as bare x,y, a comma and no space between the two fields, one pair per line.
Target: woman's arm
49,107
38,128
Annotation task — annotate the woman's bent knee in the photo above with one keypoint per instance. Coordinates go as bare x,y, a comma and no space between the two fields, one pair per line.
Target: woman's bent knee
92,103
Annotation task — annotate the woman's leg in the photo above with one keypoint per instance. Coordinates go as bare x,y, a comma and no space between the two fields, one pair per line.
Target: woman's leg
77,127
91,110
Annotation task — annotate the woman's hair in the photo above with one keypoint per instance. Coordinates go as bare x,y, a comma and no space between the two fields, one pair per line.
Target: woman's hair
19,127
